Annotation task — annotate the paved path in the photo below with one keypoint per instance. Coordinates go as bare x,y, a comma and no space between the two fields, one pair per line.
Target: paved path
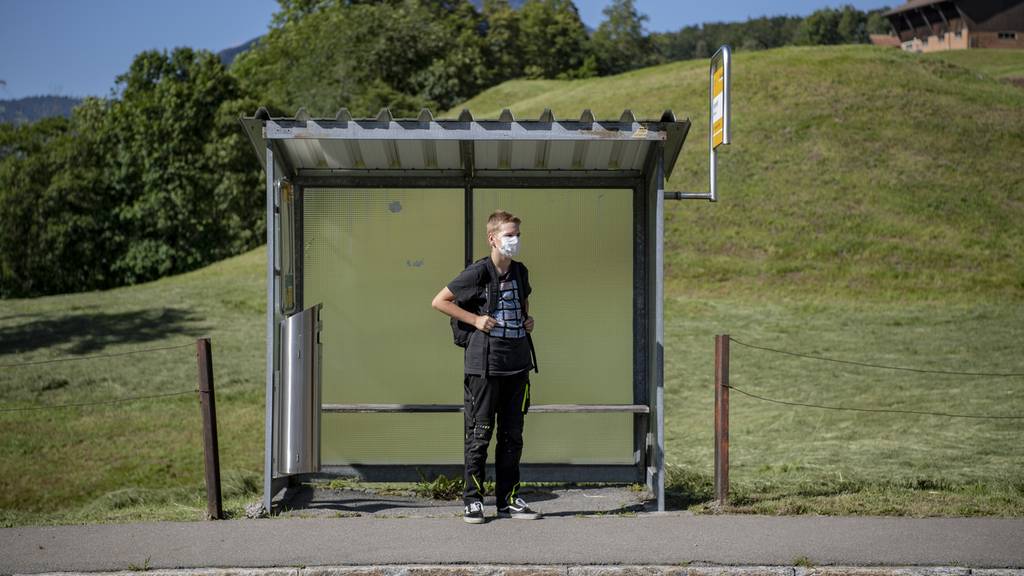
645,538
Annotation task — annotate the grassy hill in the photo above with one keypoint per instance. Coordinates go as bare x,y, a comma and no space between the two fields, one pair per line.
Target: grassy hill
142,459
998,64
855,171
871,209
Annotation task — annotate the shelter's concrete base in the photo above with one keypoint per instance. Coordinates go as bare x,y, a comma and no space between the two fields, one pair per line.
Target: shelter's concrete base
321,502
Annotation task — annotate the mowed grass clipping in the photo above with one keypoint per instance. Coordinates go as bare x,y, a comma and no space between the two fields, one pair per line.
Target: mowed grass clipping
870,211
998,64
788,459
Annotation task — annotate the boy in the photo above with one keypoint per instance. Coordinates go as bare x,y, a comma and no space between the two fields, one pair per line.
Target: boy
497,367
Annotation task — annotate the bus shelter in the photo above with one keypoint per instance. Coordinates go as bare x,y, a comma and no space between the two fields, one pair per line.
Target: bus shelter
369,217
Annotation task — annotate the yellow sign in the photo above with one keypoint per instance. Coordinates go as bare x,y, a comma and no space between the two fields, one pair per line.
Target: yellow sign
718,107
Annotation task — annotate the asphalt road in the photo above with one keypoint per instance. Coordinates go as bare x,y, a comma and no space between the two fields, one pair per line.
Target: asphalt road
664,539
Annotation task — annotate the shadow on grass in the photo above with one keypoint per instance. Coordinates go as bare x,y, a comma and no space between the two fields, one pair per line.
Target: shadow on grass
90,332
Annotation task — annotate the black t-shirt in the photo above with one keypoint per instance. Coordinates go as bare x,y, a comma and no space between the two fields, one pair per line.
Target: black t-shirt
509,349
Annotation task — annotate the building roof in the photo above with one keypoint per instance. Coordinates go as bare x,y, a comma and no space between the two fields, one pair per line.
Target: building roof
506,145
976,15
913,5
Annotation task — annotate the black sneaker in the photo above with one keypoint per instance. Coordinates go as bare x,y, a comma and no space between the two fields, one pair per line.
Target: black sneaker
474,513
518,509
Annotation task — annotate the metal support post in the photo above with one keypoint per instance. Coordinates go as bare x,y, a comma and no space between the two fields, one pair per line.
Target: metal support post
208,406
659,328
268,444
721,418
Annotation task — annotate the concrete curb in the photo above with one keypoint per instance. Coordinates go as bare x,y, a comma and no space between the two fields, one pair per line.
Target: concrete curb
555,570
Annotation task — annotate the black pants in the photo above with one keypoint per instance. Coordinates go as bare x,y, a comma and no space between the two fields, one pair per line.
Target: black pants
505,399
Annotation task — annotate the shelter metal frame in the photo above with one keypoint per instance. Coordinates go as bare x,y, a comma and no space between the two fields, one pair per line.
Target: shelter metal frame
640,158
285,144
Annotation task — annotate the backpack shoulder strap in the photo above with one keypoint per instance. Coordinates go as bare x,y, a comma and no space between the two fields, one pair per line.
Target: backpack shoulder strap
492,286
517,275
491,291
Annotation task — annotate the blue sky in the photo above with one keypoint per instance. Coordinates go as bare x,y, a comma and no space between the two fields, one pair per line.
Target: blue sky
77,47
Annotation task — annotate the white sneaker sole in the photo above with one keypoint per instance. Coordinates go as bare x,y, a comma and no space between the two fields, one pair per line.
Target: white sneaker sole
532,516
469,520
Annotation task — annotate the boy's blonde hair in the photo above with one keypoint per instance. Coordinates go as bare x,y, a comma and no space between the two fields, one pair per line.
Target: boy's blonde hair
499,217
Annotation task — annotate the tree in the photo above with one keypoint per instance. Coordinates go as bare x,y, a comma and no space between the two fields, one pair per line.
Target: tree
504,49
846,25
553,40
821,27
698,41
156,180
852,26
26,171
462,63
294,10
678,45
620,43
405,55
165,124
55,213
877,23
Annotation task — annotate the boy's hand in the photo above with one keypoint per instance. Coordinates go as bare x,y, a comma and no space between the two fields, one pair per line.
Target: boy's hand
528,324
485,323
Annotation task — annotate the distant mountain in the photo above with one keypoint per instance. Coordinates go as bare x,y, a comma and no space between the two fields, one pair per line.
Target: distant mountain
228,55
33,108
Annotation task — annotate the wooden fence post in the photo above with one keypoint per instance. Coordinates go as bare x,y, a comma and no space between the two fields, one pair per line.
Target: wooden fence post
207,405
721,418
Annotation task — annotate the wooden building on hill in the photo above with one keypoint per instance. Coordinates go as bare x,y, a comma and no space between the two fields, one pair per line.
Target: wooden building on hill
934,25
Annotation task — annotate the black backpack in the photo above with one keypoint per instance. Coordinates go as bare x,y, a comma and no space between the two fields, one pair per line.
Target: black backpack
461,332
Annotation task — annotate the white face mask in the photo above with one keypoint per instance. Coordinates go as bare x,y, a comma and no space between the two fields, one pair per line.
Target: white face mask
509,246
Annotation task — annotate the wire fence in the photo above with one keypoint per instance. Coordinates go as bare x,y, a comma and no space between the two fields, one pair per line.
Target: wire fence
99,403
95,356
879,367
119,400
204,391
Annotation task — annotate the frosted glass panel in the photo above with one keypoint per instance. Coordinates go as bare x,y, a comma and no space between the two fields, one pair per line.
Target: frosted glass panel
375,258
437,438
578,246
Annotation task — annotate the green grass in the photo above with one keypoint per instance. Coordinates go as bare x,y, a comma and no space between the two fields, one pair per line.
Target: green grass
871,210
794,459
855,172
999,64
141,459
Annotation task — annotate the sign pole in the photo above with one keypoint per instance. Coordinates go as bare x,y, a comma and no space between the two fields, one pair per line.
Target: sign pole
720,74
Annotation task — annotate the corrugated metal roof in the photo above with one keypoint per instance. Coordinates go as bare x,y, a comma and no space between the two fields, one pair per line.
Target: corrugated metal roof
307,146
